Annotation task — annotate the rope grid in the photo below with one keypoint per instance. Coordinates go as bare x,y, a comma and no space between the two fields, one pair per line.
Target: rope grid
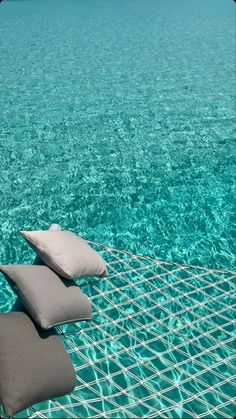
161,343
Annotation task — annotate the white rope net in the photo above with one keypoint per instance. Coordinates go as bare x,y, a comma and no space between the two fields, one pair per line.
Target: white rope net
160,344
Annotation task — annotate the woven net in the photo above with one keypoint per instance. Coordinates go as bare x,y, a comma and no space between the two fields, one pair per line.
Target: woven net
160,344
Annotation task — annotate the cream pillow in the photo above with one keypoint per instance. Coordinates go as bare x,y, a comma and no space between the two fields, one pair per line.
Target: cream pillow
66,253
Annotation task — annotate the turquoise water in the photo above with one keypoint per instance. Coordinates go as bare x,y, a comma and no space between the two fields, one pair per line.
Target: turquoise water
117,121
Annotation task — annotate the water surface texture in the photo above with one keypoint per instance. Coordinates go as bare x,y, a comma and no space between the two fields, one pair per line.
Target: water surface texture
117,122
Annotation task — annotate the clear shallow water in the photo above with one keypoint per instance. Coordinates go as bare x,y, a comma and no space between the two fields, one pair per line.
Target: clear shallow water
117,122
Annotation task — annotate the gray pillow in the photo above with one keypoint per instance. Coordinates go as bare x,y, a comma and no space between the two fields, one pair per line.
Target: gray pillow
67,254
34,364
50,300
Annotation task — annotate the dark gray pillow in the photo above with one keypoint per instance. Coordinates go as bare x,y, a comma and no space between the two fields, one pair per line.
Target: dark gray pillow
34,365
50,300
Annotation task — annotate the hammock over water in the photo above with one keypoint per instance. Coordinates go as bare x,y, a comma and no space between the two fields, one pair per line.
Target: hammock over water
160,344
